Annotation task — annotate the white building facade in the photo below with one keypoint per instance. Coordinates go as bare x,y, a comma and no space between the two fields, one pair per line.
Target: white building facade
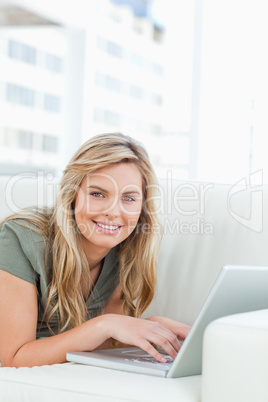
60,85
31,98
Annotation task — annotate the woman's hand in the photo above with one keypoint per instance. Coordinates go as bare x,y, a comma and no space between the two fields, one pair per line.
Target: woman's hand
178,328
143,334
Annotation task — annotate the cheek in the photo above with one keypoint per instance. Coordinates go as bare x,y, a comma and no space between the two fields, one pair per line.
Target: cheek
132,210
132,218
86,205
80,202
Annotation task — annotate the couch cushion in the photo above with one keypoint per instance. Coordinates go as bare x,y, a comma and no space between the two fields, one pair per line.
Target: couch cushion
206,226
73,382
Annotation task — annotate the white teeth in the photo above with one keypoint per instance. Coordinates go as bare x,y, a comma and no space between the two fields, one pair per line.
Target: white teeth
107,226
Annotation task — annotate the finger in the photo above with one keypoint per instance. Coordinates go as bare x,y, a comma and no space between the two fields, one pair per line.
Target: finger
167,346
183,331
168,339
165,339
148,347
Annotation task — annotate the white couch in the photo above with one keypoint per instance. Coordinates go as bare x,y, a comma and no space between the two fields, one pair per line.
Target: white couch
206,226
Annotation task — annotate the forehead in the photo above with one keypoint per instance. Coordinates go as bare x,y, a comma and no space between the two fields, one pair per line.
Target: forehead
121,175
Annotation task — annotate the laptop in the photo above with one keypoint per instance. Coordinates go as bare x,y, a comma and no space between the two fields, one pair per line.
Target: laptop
237,289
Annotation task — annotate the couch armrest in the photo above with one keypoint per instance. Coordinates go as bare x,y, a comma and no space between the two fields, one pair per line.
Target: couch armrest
235,358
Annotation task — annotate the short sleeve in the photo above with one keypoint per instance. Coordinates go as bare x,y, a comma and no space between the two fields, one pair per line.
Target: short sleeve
13,256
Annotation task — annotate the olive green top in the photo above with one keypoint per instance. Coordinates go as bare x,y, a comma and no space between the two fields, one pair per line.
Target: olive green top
24,252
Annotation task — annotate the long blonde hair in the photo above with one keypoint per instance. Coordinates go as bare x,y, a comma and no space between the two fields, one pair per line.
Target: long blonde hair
138,253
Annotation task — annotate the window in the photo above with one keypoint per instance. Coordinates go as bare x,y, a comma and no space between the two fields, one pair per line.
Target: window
157,68
9,137
112,118
22,96
101,44
136,92
113,83
49,143
136,59
114,49
106,116
54,63
124,88
158,34
22,52
51,103
25,140
100,79
99,115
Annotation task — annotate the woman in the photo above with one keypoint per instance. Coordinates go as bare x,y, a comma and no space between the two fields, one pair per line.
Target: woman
79,277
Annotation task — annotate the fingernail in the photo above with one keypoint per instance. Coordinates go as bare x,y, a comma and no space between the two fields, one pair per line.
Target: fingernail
163,360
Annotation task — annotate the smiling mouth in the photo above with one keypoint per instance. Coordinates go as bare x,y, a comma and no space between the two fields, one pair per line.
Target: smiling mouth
107,227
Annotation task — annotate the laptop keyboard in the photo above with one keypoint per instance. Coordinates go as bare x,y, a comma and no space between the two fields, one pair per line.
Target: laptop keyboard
140,357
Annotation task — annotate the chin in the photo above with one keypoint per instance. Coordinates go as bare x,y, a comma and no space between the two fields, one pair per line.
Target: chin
106,242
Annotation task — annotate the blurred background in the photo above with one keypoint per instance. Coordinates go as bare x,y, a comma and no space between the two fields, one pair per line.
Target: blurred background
188,78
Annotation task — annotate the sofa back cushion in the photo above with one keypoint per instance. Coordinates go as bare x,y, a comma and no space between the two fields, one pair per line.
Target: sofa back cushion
206,226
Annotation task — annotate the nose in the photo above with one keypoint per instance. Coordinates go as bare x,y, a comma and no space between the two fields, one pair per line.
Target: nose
113,210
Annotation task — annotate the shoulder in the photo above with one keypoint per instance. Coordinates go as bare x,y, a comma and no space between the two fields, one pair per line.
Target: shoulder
30,222
23,249
22,234
21,229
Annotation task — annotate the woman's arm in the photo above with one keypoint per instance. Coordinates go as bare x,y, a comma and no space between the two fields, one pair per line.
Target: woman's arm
115,306
18,317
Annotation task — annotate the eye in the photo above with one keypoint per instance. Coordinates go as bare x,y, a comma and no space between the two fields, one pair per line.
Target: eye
128,199
97,195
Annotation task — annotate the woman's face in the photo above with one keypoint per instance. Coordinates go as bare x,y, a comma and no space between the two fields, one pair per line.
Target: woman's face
108,205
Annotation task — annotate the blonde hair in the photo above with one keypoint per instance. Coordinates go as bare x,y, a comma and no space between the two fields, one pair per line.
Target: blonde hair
137,254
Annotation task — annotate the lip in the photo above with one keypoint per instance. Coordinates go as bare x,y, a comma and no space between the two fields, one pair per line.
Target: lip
113,228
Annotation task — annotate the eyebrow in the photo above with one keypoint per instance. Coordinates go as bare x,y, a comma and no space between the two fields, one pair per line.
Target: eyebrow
105,191
98,188
131,192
